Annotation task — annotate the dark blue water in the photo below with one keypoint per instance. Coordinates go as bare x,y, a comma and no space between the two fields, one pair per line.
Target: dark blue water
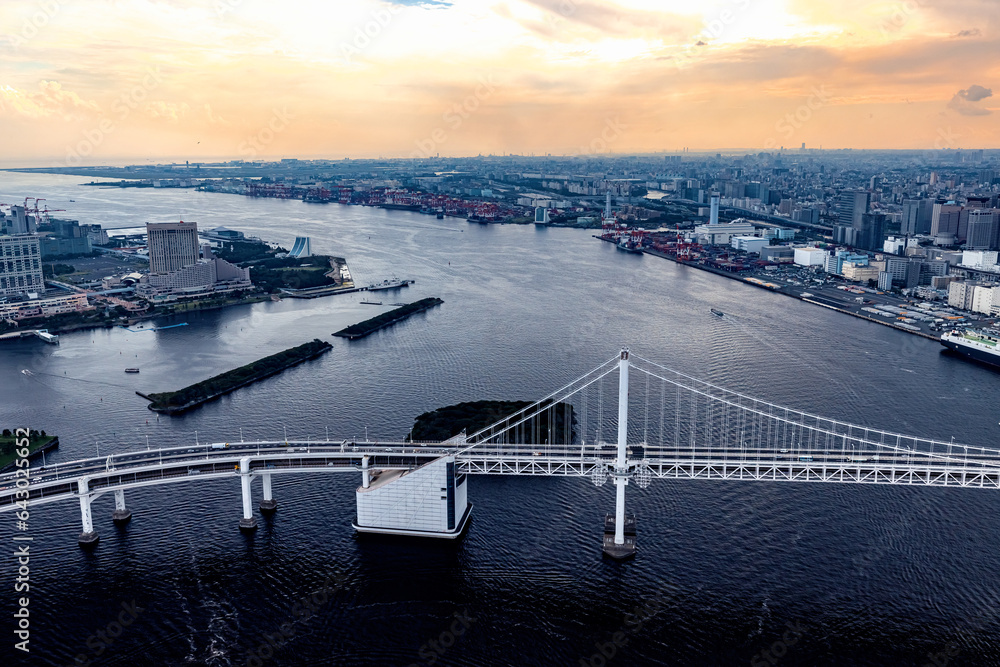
815,574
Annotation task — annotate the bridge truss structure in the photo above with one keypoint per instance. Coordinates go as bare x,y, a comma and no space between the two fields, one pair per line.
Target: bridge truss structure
688,429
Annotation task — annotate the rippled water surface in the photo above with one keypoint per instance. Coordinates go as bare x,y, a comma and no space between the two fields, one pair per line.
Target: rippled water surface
816,574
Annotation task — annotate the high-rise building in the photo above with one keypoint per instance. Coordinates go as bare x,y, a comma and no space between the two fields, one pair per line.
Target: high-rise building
18,222
852,205
845,235
944,223
176,270
172,245
904,271
981,232
20,265
931,269
872,231
917,214
807,214
758,190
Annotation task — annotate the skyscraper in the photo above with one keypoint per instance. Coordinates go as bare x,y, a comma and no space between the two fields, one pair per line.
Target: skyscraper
917,215
172,245
20,265
852,205
871,231
982,229
944,221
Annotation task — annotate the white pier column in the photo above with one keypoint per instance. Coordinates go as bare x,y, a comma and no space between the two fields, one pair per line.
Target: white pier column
248,522
121,513
89,536
366,478
268,503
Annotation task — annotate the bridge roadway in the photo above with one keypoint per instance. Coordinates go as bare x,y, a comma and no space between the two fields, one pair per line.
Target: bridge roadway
961,466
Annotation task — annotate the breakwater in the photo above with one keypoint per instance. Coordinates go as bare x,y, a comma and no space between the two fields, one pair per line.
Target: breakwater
195,395
370,326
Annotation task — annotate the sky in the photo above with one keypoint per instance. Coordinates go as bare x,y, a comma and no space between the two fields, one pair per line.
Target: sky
91,81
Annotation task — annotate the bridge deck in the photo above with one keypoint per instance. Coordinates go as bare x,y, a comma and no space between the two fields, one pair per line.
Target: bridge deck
980,469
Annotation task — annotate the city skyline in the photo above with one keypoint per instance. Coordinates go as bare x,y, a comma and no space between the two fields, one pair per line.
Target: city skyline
88,82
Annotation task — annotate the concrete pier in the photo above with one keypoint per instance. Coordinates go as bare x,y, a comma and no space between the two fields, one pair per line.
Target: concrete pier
267,503
248,522
121,513
625,549
88,537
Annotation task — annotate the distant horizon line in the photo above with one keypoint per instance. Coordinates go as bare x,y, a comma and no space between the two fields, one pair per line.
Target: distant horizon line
118,161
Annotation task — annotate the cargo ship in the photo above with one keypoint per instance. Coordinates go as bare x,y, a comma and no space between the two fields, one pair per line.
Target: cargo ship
979,345
628,245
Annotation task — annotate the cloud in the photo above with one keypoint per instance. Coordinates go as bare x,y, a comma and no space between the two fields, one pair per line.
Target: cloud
51,100
975,93
964,101
563,17
974,32
212,117
171,112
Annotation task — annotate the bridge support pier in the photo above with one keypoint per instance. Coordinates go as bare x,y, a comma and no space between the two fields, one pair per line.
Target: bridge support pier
121,513
89,536
268,503
619,533
248,522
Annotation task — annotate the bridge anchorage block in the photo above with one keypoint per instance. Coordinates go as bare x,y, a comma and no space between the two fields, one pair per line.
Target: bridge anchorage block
619,551
248,525
268,505
89,539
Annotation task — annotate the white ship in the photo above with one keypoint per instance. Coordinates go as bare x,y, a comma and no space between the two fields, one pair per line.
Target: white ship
388,284
981,346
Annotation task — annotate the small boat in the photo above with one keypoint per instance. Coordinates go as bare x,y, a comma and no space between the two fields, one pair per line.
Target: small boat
371,303
718,313
131,370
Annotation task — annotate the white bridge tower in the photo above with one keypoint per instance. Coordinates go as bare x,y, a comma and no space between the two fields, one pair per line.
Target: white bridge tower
619,530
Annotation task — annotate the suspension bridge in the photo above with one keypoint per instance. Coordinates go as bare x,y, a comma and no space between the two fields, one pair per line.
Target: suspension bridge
688,429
